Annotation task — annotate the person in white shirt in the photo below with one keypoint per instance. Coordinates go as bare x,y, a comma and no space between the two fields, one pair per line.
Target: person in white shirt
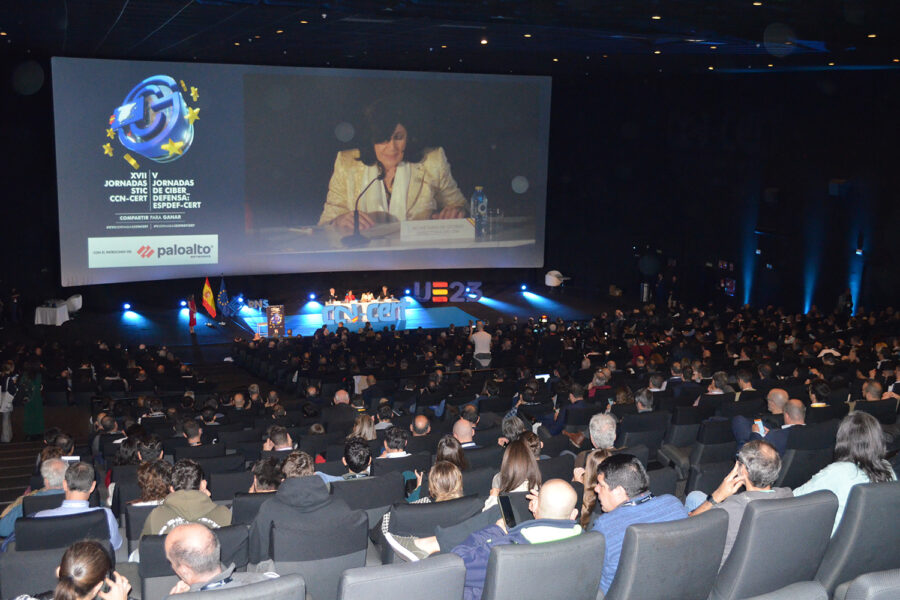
482,341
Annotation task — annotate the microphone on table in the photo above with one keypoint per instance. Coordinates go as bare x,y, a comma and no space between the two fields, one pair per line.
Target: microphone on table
357,239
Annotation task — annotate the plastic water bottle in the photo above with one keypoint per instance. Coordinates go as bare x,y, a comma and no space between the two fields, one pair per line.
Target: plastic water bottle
478,206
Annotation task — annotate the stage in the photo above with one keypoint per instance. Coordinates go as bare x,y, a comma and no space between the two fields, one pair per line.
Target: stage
212,340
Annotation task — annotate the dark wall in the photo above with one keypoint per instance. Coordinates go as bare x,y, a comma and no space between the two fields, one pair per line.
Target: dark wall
679,163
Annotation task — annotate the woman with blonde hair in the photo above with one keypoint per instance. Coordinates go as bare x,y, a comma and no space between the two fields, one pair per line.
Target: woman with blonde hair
589,480
363,427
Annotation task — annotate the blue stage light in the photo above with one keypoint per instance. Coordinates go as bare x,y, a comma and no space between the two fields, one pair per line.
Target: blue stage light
312,296
859,252
126,306
407,292
184,303
758,251
524,287
468,289
241,299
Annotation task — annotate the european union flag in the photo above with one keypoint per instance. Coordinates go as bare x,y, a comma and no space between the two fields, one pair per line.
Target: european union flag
222,298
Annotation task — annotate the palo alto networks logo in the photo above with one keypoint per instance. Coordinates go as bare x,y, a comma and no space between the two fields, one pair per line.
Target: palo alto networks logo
145,251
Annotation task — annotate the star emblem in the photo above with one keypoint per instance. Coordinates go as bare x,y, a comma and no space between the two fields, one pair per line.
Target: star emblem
172,147
111,134
195,93
107,149
193,114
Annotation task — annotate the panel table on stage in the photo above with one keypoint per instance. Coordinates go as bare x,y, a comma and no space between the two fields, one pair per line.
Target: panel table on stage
54,312
351,306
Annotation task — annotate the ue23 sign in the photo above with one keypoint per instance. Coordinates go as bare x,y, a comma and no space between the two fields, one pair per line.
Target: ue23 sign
442,291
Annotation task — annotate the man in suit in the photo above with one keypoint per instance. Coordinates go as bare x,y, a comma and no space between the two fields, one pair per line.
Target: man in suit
794,414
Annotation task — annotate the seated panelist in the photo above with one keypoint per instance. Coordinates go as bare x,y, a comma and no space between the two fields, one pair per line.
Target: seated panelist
385,294
331,297
416,183
349,297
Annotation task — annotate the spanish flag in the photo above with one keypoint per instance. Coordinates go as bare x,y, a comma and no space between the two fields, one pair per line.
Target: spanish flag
209,302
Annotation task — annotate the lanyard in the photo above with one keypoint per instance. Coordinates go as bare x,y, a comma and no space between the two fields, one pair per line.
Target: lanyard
637,501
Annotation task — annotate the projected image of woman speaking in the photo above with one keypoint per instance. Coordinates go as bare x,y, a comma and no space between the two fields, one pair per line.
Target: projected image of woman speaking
415,183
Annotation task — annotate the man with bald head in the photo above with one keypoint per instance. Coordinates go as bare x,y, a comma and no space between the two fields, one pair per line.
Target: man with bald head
420,426
792,412
464,432
554,512
194,553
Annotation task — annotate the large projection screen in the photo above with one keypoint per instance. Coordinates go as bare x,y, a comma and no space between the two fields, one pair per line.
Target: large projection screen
169,170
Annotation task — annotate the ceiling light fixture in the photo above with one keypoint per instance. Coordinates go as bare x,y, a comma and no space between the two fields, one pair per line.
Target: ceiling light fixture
873,35
444,46
757,4
237,43
831,64
711,68
657,52
555,60
2,33
897,60
528,35
279,31
656,17
484,41
304,22
713,47
770,65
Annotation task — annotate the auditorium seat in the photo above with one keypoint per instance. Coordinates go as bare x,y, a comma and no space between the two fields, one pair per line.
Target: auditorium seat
659,558
230,463
804,590
374,494
197,452
245,506
223,486
24,572
779,542
662,481
285,587
559,467
867,538
714,444
883,410
59,532
420,520
478,481
569,568
320,555
413,462
879,585
488,456
134,517
809,449
439,577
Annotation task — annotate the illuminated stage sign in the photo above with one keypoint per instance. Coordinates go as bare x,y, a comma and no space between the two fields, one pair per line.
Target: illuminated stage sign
373,312
442,291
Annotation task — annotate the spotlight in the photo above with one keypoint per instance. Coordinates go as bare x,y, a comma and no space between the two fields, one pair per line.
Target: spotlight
523,287
859,251
241,299
406,292
468,289
126,306
184,303
758,251
312,296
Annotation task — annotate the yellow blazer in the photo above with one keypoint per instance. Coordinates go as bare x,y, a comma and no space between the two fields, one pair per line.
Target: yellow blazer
431,187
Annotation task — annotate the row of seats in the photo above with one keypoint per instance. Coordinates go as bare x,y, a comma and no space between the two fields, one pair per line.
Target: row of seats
782,547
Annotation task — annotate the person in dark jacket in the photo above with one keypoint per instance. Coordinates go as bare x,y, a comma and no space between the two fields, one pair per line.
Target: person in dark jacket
302,498
554,512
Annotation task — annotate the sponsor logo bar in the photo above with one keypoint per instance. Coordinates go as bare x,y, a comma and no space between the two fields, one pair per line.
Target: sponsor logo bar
152,251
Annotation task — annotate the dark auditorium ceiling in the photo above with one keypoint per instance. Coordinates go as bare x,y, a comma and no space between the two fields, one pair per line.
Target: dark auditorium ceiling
501,36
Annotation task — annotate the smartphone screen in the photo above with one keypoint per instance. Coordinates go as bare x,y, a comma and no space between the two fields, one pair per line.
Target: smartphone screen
506,510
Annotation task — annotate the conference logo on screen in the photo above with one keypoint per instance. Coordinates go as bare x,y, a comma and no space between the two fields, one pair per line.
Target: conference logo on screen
154,121
153,251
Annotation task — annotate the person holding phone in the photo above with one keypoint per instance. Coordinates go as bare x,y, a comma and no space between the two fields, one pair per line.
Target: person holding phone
86,572
553,507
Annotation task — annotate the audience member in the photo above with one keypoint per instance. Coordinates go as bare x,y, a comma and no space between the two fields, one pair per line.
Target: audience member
623,490
756,469
53,473
188,502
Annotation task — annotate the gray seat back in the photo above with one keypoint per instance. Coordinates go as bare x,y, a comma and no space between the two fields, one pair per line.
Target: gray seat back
286,587
440,577
868,537
568,568
881,585
654,559
780,542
